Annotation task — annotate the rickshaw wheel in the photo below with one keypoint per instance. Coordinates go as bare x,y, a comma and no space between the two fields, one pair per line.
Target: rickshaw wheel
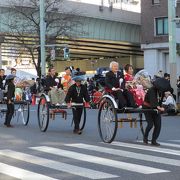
25,112
142,123
83,119
107,120
43,114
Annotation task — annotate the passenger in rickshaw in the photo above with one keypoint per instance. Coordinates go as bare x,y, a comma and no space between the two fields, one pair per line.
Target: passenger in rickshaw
133,86
22,87
77,93
115,84
66,80
19,85
128,76
55,92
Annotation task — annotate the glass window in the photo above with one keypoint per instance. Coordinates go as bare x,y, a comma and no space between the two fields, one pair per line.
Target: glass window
155,1
162,26
165,25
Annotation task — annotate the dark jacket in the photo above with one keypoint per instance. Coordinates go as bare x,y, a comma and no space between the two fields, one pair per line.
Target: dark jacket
72,94
151,98
50,82
111,80
1,81
10,91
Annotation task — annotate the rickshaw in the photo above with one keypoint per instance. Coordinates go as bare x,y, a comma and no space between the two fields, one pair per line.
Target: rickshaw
45,108
22,107
47,111
108,116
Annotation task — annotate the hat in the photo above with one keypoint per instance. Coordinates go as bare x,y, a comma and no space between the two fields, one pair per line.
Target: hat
78,78
10,76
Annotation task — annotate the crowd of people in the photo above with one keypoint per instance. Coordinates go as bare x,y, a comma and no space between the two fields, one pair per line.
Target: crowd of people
129,90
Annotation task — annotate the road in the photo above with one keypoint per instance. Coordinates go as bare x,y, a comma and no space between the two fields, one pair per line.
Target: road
28,154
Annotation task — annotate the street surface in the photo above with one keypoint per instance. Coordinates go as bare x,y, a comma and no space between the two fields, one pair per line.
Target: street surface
28,154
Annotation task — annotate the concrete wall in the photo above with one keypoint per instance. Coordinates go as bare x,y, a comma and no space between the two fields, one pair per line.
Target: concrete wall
90,10
156,57
117,25
87,65
148,14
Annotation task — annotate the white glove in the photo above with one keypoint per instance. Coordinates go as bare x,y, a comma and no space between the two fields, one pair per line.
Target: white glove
57,80
120,82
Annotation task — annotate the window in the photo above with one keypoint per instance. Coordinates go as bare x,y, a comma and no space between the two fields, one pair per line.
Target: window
161,26
155,2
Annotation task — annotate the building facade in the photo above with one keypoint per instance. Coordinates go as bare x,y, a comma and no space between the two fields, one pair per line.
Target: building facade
154,35
105,33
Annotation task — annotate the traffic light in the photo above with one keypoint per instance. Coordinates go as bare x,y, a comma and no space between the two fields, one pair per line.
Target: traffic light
66,53
52,54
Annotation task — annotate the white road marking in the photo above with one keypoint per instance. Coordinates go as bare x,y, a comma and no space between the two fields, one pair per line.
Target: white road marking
147,148
21,173
168,144
127,154
102,161
84,172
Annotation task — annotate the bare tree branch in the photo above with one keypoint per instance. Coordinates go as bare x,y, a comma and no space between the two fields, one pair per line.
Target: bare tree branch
24,22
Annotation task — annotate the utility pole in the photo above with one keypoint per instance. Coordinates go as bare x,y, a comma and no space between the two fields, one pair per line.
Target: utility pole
0,57
42,37
172,43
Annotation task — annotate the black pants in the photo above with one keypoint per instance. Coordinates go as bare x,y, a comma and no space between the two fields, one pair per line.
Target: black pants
77,113
9,114
153,119
125,98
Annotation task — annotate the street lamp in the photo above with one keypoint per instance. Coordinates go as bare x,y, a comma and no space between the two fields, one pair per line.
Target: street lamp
172,43
42,37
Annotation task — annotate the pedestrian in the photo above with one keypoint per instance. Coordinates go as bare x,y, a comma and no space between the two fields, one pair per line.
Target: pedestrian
77,93
178,89
151,101
169,103
2,83
10,100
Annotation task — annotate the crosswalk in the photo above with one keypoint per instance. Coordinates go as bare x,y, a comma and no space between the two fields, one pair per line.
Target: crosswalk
89,161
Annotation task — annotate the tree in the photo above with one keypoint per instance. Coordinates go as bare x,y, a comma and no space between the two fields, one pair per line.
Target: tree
24,22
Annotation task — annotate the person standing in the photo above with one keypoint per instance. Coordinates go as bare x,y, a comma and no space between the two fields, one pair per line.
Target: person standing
10,100
151,101
2,83
2,78
77,93
178,89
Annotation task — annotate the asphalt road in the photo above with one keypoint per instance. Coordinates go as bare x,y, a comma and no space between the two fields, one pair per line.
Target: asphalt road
28,154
